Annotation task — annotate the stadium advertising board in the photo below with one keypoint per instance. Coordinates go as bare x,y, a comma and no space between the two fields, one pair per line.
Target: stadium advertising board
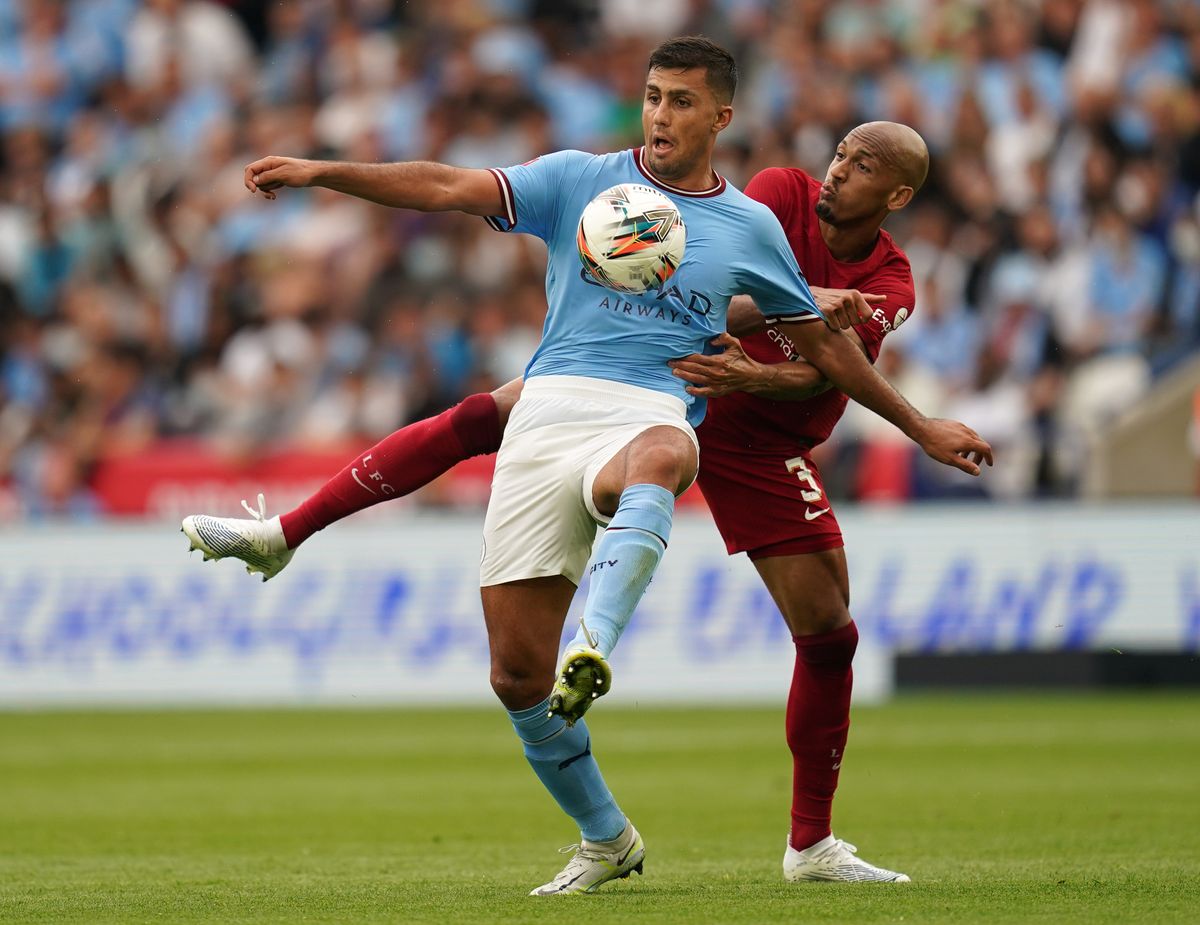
389,612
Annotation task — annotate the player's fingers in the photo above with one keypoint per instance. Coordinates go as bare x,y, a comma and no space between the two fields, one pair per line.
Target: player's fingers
873,298
838,320
700,364
695,377
960,462
725,340
858,306
970,444
980,448
254,168
265,163
272,178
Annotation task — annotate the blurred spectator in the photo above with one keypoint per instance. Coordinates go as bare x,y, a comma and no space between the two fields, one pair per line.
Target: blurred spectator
144,296
205,42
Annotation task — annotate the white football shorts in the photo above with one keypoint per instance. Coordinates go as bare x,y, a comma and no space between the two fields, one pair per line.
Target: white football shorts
541,519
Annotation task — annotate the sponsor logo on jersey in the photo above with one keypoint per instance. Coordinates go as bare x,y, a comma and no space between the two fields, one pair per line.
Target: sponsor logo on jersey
638,310
670,304
783,342
881,319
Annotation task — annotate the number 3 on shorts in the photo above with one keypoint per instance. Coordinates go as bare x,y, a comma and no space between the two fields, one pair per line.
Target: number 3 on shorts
799,467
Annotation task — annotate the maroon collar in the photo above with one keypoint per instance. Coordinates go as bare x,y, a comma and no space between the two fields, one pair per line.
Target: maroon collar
639,155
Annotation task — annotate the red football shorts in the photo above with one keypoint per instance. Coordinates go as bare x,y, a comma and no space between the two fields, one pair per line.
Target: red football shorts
766,505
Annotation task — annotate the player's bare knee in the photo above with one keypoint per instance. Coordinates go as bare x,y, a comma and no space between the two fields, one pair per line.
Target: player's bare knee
518,680
815,618
518,688
662,456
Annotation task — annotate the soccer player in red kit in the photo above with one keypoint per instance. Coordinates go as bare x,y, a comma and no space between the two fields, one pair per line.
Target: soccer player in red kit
757,472
768,409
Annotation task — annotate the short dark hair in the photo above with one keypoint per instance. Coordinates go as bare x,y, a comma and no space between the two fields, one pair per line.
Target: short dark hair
689,51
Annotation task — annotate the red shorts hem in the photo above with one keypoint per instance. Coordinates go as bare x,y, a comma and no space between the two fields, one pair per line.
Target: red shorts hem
797,546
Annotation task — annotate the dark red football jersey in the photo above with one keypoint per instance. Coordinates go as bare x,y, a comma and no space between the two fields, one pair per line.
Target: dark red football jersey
743,420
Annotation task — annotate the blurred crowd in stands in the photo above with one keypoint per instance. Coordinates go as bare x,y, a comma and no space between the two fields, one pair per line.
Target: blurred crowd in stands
146,296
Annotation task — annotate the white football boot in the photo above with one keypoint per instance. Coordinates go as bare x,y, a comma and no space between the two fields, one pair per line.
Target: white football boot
833,859
583,676
258,542
595,863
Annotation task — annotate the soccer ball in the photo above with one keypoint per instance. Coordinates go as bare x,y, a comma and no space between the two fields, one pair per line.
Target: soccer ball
631,238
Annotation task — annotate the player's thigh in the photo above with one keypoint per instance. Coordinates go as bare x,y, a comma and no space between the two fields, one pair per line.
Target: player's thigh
524,623
505,397
662,454
811,590
773,506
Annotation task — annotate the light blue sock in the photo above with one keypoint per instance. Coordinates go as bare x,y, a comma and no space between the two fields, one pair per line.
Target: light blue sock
561,756
625,560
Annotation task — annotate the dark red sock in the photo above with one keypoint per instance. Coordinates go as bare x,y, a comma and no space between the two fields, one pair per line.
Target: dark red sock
399,464
818,719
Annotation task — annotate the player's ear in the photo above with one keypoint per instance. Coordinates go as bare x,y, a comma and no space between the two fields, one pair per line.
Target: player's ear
901,196
724,117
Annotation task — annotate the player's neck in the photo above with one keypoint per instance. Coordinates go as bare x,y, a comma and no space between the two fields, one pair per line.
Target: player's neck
850,243
700,180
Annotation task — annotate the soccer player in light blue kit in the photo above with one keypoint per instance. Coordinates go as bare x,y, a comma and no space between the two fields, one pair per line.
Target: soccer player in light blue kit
602,433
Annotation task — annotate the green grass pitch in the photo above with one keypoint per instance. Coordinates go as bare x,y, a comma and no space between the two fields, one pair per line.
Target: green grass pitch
1003,809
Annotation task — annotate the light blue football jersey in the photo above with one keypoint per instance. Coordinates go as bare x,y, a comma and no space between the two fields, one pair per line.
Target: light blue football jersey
734,245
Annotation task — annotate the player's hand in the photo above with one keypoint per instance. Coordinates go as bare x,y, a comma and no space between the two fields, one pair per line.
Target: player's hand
955,444
844,308
730,371
268,174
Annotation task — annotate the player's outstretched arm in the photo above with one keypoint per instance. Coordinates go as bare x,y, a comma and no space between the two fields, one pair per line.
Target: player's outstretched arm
734,370
421,185
842,308
844,365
